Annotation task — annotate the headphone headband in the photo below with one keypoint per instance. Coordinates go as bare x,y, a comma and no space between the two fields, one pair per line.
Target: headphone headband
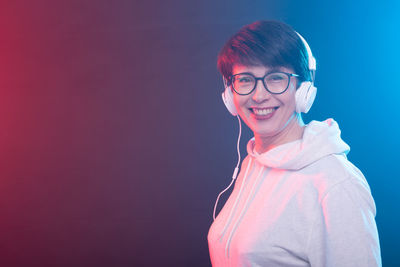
312,63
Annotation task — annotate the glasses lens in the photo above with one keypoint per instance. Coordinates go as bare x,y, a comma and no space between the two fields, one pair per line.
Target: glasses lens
243,83
277,82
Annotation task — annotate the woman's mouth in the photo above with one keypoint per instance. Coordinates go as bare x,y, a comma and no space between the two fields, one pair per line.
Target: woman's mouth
263,113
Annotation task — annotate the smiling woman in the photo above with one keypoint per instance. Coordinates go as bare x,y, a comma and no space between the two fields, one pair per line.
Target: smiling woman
297,201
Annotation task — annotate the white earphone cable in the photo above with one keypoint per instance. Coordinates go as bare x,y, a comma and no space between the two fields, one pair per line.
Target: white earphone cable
236,168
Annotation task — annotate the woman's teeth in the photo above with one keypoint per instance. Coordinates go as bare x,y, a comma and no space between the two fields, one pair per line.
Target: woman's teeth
264,111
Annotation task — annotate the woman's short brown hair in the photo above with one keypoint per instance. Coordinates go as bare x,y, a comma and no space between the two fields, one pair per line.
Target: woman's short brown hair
266,43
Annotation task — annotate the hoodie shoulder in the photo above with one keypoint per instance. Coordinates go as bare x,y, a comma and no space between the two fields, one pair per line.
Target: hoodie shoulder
334,170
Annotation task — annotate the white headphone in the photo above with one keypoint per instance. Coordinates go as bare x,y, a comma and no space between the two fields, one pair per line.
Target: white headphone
305,94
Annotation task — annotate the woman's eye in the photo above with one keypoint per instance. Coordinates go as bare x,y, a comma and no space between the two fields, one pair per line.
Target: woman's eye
244,79
275,78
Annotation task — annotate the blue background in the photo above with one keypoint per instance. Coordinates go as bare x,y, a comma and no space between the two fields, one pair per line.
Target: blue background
114,138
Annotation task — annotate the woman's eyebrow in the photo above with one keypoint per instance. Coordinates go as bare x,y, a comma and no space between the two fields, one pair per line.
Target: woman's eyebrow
270,70
274,69
247,72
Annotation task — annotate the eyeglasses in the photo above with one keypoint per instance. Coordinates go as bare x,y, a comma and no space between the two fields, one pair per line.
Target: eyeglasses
275,82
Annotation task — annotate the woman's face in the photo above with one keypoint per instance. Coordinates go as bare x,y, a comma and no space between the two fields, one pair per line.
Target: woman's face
276,109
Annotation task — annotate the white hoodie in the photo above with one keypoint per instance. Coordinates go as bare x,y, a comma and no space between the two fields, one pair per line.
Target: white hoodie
299,204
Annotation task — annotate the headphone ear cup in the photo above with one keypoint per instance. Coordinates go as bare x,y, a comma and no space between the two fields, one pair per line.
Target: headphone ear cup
227,97
305,96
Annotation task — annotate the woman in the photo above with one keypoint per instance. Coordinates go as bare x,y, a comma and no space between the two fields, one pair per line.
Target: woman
297,200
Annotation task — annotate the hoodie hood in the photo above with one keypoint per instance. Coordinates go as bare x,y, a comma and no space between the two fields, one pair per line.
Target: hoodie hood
320,139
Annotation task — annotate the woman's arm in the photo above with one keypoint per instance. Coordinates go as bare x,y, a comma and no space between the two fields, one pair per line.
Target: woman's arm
344,232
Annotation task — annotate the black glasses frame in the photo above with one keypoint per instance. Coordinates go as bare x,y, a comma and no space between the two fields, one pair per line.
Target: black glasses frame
263,81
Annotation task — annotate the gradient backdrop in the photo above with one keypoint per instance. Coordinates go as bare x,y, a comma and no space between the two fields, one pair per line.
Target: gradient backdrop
114,139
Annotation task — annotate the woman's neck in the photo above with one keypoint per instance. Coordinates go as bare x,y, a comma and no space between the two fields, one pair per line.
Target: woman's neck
292,131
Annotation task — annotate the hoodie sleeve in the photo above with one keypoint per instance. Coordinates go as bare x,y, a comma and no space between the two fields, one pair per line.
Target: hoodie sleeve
344,231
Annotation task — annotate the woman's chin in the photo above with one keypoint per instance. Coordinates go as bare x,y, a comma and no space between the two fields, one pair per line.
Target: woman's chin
264,133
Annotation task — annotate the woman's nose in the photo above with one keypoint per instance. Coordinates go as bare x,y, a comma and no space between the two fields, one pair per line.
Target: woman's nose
260,92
